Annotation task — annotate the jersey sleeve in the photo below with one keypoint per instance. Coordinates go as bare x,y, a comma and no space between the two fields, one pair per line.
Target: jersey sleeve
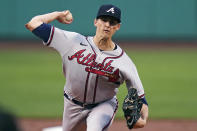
60,40
132,78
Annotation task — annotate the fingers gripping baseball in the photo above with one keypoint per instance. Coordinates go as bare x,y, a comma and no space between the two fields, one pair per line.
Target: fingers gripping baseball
65,17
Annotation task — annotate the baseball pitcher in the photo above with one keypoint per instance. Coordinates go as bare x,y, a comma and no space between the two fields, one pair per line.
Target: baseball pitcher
94,68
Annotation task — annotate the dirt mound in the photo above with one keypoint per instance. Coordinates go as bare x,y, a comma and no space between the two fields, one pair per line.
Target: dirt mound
118,125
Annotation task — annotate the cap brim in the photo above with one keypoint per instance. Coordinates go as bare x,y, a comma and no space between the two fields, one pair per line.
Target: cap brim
110,16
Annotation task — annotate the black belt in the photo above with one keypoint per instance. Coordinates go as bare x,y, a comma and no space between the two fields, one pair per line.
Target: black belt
85,105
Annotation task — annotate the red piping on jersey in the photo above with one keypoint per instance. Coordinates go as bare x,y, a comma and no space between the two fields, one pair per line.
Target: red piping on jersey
142,96
51,37
94,96
86,86
87,79
112,116
113,57
95,89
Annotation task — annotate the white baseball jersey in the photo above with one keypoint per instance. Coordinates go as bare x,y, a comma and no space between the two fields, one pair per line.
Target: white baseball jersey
92,75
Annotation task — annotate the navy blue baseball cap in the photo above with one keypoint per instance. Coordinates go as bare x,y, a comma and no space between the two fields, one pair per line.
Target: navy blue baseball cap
109,10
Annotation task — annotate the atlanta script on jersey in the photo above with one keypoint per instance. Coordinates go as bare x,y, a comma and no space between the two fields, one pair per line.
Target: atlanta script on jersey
92,75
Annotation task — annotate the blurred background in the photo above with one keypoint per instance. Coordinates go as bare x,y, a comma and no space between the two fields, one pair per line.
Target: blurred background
160,36
141,19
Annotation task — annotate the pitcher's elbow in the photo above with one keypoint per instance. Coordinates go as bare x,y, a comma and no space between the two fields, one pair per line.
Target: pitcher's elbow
33,23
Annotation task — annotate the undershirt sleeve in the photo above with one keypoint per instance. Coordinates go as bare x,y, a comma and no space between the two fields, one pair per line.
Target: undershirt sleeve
144,100
43,32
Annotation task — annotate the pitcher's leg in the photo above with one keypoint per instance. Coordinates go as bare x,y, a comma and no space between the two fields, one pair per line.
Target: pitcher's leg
74,116
101,117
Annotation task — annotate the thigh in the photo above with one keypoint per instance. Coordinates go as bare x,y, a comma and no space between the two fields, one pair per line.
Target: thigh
101,117
74,117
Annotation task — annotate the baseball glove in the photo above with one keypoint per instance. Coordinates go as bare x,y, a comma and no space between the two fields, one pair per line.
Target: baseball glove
131,107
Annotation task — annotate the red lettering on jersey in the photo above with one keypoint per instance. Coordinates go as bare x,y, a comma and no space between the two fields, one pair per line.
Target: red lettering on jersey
94,67
115,76
107,65
110,69
77,55
91,59
84,59
112,77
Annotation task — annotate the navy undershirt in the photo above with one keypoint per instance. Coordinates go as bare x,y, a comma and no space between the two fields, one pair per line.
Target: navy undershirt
43,31
144,100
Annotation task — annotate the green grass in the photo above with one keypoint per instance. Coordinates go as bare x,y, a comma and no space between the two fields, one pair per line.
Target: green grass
31,82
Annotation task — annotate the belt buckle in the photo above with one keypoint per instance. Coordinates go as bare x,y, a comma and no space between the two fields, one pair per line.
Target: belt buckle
84,104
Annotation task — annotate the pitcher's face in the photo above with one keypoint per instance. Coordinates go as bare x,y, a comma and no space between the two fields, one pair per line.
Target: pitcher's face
106,26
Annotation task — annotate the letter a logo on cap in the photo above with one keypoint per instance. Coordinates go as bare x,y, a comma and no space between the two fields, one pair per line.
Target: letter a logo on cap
111,10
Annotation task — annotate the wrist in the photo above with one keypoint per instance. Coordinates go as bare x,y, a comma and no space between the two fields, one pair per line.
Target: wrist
140,123
54,15
58,14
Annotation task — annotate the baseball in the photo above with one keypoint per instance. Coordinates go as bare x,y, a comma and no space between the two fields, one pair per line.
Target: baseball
69,17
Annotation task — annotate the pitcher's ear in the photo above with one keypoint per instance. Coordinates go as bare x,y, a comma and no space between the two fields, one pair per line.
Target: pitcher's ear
118,26
95,22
